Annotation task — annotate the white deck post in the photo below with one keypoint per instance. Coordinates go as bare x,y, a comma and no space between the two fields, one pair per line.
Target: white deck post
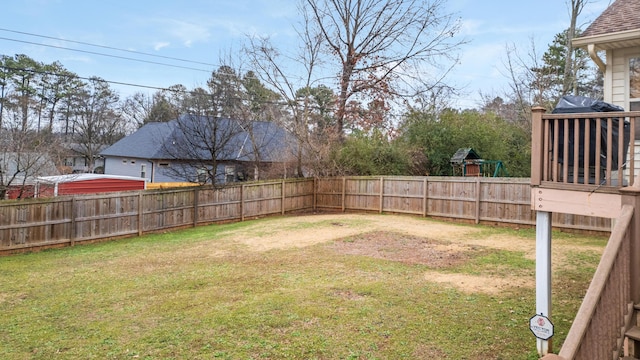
543,273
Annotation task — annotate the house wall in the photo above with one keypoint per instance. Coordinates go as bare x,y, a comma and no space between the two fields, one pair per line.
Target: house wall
79,164
155,171
619,75
162,172
128,167
616,87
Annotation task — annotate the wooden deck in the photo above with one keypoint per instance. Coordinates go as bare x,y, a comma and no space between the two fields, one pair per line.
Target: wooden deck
580,162
586,164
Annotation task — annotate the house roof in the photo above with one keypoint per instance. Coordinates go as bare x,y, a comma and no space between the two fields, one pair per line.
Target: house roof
161,141
622,15
145,143
617,27
81,149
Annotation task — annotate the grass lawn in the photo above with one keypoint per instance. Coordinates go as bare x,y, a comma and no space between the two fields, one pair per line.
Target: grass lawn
337,286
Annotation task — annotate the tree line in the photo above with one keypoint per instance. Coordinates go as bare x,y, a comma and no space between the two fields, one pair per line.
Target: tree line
368,96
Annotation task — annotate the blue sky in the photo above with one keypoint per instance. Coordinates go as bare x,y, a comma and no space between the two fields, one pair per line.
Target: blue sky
205,31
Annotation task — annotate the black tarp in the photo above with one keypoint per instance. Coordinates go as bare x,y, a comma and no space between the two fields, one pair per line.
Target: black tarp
580,104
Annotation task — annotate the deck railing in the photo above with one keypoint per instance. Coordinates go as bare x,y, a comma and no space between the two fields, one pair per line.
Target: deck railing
605,313
595,150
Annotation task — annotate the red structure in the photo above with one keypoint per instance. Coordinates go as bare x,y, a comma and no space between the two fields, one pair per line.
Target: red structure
73,184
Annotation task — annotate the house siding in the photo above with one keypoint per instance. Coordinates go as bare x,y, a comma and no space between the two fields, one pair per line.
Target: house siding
620,76
154,173
608,76
163,174
127,167
620,88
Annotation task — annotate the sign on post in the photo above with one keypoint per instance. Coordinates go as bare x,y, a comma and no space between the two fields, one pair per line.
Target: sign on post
541,327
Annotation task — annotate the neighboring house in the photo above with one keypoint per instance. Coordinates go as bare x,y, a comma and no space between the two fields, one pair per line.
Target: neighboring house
76,161
181,150
17,171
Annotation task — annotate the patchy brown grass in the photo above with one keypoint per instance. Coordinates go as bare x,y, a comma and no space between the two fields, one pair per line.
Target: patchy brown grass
331,286
405,248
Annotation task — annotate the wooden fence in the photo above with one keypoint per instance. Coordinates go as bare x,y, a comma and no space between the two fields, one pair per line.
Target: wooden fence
69,220
477,199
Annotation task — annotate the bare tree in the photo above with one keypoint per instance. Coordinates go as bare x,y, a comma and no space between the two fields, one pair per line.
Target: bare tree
542,78
56,83
199,144
140,108
526,86
252,105
97,120
570,83
308,104
269,65
23,156
222,129
383,47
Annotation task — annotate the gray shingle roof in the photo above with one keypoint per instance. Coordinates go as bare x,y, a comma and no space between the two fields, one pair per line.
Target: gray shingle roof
622,15
146,143
154,141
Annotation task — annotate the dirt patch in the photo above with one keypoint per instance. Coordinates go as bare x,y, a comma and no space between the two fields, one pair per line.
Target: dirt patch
405,248
411,249
409,239
315,229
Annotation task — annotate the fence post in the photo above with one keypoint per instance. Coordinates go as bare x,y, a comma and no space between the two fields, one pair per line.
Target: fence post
381,193
140,217
242,202
315,193
425,201
72,231
537,142
344,192
283,196
196,195
478,191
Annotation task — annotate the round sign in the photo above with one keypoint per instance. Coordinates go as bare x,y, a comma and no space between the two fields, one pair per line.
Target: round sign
541,327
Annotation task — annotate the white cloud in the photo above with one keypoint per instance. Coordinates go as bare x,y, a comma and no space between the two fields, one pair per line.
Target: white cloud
161,44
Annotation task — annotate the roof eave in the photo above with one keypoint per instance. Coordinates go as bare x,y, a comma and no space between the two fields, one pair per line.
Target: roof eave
610,41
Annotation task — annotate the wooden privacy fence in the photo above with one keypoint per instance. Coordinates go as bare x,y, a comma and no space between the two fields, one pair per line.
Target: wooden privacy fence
477,199
67,220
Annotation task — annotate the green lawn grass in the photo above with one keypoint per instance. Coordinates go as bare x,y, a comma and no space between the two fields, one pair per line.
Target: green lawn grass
199,294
